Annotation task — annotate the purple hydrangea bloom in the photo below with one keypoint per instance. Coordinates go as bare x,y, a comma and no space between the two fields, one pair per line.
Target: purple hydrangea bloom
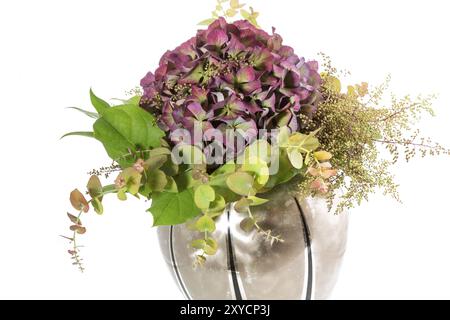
232,74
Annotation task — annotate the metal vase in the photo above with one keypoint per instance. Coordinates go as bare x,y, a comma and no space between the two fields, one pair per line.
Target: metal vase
304,266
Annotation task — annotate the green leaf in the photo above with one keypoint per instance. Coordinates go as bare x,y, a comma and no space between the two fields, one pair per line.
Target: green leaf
247,225
88,134
259,168
245,14
240,183
260,149
311,143
242,205
322,155
219,177
134,100
170,168
334,84
87,113
206,22
110,188
210,247
306,142
98,206
132,179
156,181
234,4
231,12
205,224
203,196
100,105
185,180
217,205
160,152
227,168
127,128
295,157
95,188
155,162
198,244
121,195
285,172
227,194
255,201
171,185
283,136
173,208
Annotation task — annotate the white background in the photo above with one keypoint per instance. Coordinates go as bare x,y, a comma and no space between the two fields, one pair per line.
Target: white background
53,51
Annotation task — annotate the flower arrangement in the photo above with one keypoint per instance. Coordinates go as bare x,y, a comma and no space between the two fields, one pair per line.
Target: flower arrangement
233,113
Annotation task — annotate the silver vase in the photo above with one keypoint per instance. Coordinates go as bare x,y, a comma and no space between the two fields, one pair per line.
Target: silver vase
304,265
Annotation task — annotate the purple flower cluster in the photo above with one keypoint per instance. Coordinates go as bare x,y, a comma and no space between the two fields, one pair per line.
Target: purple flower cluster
232,75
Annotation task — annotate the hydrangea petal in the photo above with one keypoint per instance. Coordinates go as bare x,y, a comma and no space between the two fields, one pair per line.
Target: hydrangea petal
217,38
246,74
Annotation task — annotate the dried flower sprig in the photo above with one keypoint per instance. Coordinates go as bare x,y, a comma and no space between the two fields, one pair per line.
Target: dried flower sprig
354,124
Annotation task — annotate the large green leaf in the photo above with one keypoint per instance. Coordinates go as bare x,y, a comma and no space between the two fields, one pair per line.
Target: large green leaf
173,208
127,128
90,114
79,133
100,105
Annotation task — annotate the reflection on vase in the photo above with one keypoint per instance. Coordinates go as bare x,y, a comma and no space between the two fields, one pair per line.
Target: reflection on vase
304,265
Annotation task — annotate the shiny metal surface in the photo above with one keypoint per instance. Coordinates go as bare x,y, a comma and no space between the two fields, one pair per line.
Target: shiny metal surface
247,266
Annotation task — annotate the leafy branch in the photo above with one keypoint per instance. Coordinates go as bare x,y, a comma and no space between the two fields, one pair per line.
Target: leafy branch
230,9
251,223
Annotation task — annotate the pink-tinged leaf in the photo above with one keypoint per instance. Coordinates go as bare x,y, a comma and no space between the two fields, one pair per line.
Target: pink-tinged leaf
78,201
74,219
319,185
325,165
314,172
246,74
78,229
139,166
327,174
217,38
